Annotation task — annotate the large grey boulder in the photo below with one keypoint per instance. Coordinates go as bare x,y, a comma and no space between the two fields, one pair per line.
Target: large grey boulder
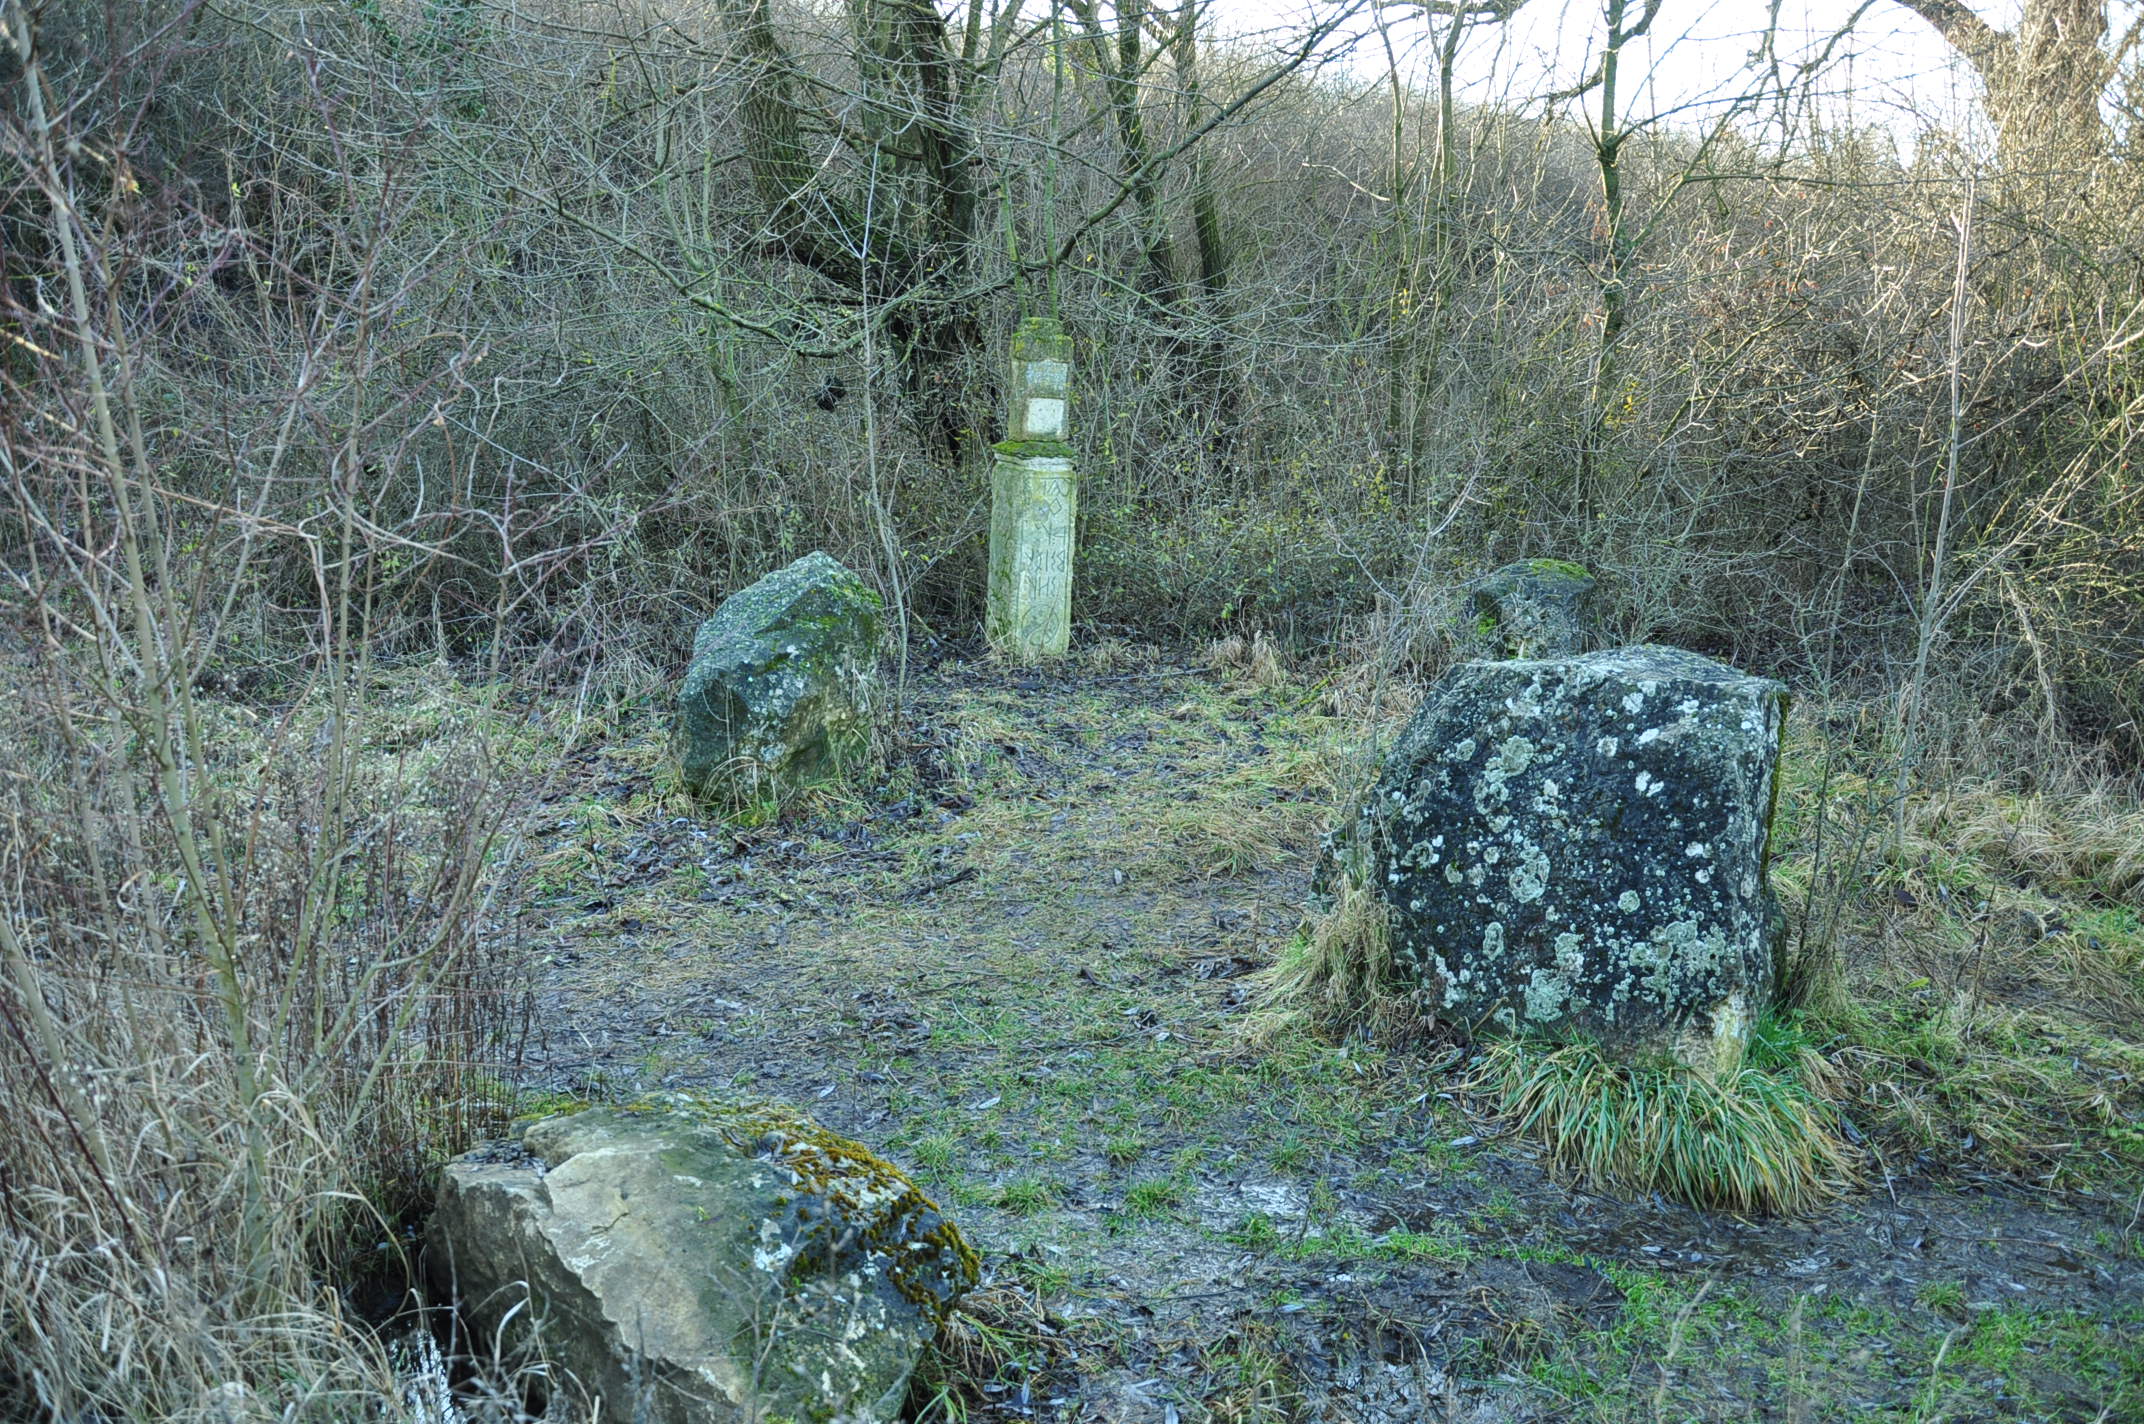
692,1261
1536,608
783,683
1578,845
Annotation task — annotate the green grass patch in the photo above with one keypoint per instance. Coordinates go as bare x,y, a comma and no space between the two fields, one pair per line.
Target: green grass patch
1758,1140
1024,1196
1156,1197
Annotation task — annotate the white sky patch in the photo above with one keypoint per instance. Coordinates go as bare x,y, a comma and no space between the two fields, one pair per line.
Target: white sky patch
1891,72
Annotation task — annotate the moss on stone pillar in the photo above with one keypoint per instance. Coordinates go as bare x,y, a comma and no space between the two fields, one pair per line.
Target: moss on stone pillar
1034,498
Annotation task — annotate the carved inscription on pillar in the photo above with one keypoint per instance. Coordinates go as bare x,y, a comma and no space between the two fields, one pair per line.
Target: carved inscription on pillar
1034,502
1032,515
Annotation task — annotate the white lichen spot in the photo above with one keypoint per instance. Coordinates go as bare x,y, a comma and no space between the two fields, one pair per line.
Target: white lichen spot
1529,878
1697,850
1644,782
1649,736
1608,746
1545,996
1512,758
1628,902
1450,980
1633,701
771,1254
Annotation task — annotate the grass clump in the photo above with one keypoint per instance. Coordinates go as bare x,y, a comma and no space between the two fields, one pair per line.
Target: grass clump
1026,1196
1156,1197
1758,1140
1221,840
998,1337
1337,976
1255,661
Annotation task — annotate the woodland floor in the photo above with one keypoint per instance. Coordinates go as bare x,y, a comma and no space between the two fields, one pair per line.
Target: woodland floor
1020,968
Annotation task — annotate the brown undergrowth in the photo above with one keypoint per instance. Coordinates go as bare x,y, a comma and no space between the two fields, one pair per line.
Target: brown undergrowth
1973,959
229,1099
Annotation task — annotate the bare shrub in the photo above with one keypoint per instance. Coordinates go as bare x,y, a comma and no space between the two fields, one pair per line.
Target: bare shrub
251,992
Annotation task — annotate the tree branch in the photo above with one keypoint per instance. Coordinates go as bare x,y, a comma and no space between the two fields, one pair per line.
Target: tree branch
1961,28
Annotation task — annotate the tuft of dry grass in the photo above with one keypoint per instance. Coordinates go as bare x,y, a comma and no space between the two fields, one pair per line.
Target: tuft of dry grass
1337,976
997,1331
1221,839
193,1174
1255,661
2088,843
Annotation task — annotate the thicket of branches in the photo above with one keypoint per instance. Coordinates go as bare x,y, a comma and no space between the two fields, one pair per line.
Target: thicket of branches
340,333
689,287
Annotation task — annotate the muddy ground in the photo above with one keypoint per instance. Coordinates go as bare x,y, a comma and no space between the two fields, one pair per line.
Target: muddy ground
1022,967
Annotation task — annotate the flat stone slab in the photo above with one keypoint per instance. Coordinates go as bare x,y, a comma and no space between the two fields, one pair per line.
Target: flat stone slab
694,1261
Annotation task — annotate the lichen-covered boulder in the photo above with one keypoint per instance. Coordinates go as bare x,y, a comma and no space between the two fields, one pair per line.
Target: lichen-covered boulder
695,1261
1536,608
783,683
1579,844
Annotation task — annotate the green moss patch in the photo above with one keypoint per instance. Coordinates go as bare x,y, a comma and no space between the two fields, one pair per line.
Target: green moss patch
849,1202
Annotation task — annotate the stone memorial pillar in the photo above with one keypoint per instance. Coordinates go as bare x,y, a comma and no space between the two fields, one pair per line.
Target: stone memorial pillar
1033,503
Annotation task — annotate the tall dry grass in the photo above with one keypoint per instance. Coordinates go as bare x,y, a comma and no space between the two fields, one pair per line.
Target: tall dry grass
251,989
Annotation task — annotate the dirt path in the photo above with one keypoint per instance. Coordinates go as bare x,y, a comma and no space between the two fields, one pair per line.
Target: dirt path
1019,968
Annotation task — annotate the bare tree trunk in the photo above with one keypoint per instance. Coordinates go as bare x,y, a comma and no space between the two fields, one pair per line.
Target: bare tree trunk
2044,79
1426,254
1214,255
1122,67
1608,136
907,241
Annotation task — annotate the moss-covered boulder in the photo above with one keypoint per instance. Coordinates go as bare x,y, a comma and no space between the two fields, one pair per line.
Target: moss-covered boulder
699,1261
1536,608
783,683
1578,845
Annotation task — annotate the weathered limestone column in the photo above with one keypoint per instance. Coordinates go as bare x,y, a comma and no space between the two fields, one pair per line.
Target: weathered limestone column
1033,503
